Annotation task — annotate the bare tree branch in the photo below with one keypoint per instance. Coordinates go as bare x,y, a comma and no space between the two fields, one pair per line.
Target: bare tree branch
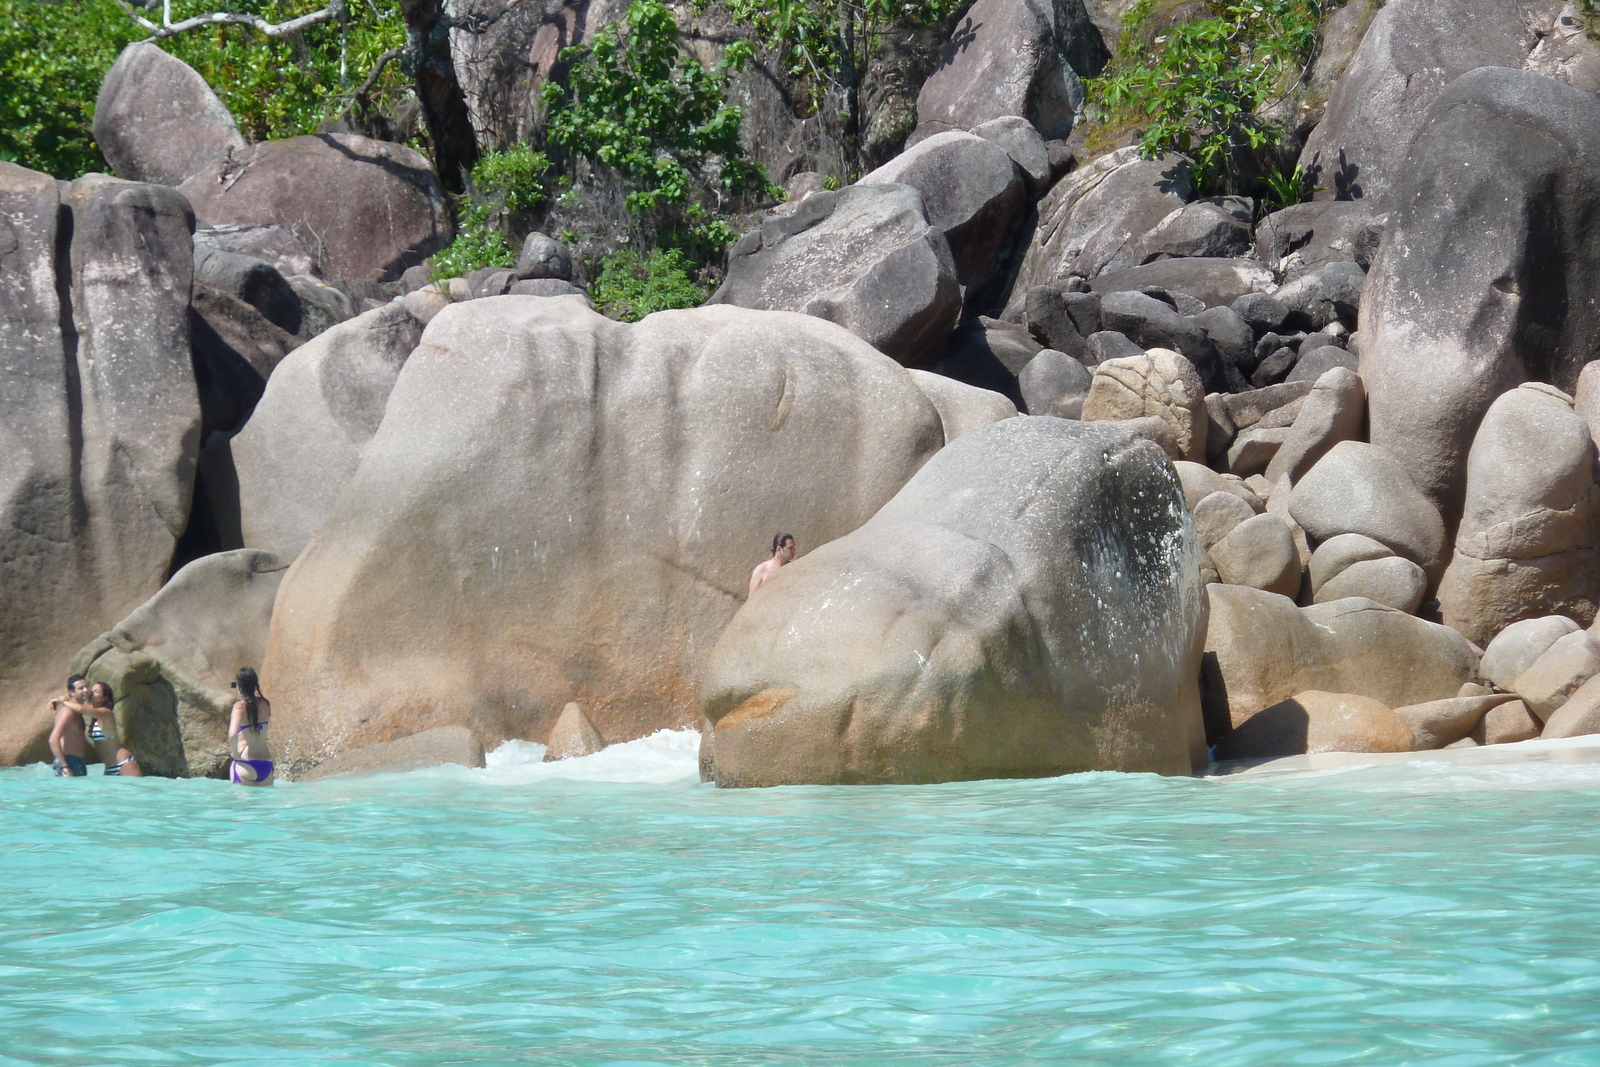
168,28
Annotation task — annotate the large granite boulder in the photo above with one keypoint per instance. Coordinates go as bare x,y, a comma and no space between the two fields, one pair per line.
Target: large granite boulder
1029,604
1487,275
431,748
962,408
1095,219
321,407
156,119
370,209
1413,49
1529,540
1332,413
99,421
1302,238
1318,722
1360,488
1007,58
1261,648
573,505
972,193
172,660
864,257
1515,648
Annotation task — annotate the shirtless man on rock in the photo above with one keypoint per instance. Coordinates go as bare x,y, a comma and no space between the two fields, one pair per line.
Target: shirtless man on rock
783,551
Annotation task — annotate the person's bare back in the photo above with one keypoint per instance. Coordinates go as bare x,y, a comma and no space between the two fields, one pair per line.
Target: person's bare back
783,551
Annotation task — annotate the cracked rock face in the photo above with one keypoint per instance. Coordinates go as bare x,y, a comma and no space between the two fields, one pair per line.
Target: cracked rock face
558,507
1029,604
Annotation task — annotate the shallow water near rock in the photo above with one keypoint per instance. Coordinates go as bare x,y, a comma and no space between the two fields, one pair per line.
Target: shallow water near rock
612,910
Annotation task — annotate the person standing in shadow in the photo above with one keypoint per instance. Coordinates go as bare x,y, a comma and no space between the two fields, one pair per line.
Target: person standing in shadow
247,732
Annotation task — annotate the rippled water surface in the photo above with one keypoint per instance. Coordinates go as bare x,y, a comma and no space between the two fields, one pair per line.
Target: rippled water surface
614,911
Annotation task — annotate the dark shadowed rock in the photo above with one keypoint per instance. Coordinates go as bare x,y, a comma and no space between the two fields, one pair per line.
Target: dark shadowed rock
1527,544
1313,363
1263,312
1331,293
1486,276
1013,59
864,257
1230,334
988,354
1150,323
1216,227
1061,320
156,119
1108,345
254,281
235,351
1029,604
368,209
1093,220
971,192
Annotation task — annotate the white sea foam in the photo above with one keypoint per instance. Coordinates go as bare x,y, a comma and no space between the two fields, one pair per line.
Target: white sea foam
1539,764
666,757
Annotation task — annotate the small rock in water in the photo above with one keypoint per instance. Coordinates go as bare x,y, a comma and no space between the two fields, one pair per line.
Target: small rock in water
574,735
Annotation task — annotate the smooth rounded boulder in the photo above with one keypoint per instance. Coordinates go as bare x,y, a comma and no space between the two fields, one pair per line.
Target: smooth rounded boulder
1487,275
571,506
156,119
321,407
172,660
1529,541
370,209
864,257
1317,721
1365,489
1029,604
1261,648
1514,649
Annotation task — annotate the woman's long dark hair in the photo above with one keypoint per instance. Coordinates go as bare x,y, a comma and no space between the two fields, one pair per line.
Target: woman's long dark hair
249,691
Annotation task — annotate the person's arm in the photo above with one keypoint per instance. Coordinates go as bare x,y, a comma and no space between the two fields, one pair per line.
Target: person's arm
235,719
56,726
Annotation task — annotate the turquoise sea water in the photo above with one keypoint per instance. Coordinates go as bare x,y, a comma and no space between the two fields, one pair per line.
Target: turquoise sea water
613,911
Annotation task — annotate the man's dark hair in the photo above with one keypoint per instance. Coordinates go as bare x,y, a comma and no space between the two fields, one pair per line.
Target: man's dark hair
76,678
779,539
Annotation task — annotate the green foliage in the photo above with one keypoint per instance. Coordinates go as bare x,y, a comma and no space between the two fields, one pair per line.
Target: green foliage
827,44
289,86
55,53
658,119
1197,87
1285,188
479,243
52,59
631,284
515,177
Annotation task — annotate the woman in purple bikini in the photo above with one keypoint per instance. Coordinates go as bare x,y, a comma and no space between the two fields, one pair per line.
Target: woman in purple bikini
247,732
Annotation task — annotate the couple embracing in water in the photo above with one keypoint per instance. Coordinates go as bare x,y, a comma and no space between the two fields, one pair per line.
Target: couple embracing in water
247,731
